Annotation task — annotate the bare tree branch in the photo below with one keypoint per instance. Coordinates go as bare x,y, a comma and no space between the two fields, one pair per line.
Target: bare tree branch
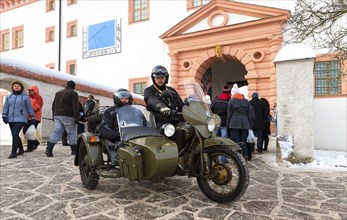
322,23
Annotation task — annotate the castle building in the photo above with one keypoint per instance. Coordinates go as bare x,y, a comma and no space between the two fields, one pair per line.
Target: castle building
117,43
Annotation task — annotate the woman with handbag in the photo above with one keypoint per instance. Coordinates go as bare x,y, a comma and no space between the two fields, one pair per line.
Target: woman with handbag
15,112
37,104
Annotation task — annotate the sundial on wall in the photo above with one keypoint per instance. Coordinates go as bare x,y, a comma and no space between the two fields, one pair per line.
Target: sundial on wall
101,39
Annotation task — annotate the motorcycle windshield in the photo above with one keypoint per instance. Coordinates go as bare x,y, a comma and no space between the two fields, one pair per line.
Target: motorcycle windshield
193,91
197,112
135,121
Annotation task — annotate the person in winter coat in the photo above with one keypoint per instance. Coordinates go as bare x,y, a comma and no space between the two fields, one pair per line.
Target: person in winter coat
108,127
239,119
15,112
268,119
162,107
259,124
37,104
219,106
65,109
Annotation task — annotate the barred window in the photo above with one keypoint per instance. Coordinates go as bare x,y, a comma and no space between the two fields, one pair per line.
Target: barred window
5,41
139,88
197,3
140,10
328,78
19,38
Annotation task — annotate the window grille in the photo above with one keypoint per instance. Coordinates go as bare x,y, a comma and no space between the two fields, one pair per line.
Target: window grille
139,88
328,78
5,41
140,10
197,3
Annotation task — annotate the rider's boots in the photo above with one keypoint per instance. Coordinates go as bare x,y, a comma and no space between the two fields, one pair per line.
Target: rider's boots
73,149
49,149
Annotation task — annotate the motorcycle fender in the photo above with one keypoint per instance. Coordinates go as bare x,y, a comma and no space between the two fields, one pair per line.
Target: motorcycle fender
217,141
94,149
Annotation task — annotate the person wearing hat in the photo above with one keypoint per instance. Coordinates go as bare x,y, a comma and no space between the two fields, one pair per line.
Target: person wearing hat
37,104
65,110
219,106
239,119
15,112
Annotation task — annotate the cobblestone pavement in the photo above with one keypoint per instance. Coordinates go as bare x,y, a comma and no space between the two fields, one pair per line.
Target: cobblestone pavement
36,187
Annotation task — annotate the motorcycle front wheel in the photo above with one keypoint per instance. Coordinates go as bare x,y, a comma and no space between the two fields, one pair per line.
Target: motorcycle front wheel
89,177
229,175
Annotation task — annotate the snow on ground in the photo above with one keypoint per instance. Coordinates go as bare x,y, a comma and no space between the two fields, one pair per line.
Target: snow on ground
326,159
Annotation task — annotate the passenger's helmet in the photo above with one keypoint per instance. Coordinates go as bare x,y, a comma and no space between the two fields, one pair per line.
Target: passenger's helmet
160,71
122,93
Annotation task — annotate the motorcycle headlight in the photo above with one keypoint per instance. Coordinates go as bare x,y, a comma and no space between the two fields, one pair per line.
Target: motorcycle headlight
168,130
211,124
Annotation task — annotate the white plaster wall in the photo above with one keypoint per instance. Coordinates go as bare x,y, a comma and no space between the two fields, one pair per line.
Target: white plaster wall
330,124
295,103
142,48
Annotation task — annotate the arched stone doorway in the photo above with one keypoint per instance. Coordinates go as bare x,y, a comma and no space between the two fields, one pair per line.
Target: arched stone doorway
249,36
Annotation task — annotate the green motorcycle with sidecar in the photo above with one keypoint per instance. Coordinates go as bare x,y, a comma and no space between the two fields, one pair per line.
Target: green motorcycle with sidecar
145,152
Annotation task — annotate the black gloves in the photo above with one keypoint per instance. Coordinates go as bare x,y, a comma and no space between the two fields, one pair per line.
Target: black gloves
32,122
5,119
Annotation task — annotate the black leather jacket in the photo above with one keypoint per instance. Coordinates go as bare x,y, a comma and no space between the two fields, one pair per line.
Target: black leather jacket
155,101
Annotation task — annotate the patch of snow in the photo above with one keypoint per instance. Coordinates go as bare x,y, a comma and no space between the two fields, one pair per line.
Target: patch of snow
286,145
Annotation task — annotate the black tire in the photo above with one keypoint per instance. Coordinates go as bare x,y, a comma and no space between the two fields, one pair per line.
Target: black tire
93,121
89,177
232,179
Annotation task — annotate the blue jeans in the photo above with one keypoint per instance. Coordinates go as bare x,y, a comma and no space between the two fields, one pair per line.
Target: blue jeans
222,132
240,135
61,124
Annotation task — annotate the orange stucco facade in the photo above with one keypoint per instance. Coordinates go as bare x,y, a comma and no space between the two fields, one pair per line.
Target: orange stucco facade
253,44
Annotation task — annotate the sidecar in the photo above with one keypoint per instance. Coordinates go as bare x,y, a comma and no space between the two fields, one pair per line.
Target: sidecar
142,152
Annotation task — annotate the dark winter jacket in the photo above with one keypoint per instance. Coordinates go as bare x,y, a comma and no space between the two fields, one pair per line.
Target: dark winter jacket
109,126
260,113
219,106
92,106
155,101
239,113
17,107
66,103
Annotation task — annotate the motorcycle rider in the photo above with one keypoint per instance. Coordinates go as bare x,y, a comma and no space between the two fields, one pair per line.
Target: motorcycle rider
108,127
160,106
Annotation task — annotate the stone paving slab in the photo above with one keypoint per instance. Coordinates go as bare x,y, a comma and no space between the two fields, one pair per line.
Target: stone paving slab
33,186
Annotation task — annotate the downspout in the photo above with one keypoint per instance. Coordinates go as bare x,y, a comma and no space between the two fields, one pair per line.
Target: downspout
59,37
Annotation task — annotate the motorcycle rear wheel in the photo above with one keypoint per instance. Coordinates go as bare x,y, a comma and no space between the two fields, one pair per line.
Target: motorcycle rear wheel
89,177
230,175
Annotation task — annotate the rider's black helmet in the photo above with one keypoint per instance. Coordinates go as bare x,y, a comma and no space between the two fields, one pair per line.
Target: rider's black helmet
122,93
160,71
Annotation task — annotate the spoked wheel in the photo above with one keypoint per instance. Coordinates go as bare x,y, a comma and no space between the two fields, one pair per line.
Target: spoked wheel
229,177
89,177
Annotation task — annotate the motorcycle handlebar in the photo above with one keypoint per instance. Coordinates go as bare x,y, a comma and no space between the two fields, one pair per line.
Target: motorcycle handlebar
175,112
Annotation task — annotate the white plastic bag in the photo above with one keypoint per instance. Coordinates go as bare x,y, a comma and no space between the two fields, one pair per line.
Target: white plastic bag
251,138
30,134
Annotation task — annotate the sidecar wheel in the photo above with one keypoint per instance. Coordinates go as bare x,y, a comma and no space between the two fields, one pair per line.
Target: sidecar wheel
230,175
89,177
